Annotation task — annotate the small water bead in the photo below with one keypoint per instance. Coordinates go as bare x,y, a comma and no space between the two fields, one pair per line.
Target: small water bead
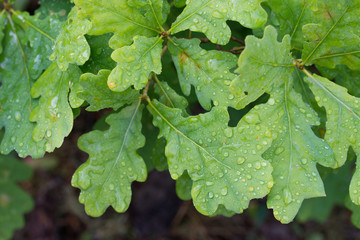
224,191
211,195
17,116
48,133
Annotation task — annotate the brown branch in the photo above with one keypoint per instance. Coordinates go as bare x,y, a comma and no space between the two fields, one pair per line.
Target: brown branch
235,39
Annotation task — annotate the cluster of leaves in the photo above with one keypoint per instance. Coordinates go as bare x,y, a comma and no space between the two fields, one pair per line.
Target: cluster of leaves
137,57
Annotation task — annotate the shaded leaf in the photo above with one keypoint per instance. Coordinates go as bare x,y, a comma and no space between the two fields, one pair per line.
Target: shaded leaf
14,202
208,71
224,163
335,39
2,26
28,42
113,164
210,16
135,63
184,186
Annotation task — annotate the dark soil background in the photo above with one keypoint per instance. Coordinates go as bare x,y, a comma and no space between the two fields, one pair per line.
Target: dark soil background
155,212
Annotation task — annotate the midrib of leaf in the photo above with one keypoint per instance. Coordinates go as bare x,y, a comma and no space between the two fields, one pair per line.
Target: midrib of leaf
183,20
290,130
156,18
151,48
32,25
163,90
272,64
122,145
328,92
298,21
23,58
337,55
326,35
183,135
129,19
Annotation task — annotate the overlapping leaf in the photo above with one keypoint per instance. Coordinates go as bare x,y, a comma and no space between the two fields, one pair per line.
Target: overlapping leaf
342,126
2,26
124,18
53,115
97,93
264,61
135,63
105,179
28,42
224,163
295,152
334,40
14,202
297,149
71,45
210,16
208,71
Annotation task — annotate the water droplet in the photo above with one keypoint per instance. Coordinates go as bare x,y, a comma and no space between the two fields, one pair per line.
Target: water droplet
271,101
17,116
48,133
111,187
287,196
252,118
224,191
228,132
211,195
240,160
279,150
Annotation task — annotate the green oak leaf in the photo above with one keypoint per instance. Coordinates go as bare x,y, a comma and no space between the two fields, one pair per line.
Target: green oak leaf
179,3
170,97
261,62
355,217
105,179
210,16
342,126
334,40
343,76
224,163
124,18
208,71
319,209
71,45
2,26
135,63
28,42
53,115
14,202
97,93
50,7
295,152
293,15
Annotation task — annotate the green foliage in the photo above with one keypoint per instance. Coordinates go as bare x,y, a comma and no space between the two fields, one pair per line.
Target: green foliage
155,63
14,202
